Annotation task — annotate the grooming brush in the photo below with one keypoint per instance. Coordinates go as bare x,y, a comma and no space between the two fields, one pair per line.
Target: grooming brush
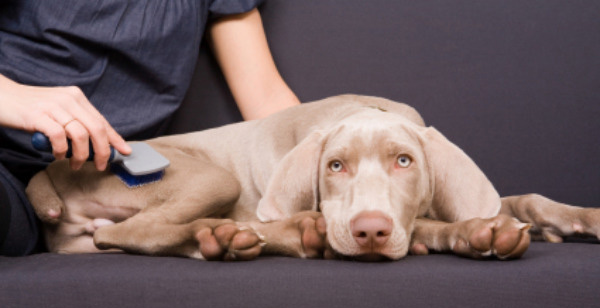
143,166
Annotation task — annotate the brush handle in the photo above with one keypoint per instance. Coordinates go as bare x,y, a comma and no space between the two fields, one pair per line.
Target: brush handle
42,143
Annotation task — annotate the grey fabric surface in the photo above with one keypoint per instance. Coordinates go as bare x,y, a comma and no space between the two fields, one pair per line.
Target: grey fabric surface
514,83
549,275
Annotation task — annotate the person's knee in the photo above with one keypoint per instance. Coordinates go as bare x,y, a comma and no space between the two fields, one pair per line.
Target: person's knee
18,224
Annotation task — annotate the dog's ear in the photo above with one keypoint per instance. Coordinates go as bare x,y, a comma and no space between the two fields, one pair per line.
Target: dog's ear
460,189
292,187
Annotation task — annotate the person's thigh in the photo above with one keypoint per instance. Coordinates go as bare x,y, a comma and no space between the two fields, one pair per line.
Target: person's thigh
19,230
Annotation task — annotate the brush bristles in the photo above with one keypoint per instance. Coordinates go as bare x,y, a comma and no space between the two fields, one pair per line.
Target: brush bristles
135,180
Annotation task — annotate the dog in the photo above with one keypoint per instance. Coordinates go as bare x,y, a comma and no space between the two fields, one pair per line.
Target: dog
346,177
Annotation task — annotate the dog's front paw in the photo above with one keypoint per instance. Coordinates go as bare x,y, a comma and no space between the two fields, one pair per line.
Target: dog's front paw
502,236
302,235
313,229
228,242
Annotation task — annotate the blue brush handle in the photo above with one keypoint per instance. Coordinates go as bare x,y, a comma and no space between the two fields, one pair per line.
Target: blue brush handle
41,143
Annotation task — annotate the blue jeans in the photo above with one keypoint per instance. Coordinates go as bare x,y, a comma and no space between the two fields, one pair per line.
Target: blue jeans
19,226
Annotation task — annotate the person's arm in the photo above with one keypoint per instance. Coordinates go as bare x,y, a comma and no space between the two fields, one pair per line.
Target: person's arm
59,112
240,46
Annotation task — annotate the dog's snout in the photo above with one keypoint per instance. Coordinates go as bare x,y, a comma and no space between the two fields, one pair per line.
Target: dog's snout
371,229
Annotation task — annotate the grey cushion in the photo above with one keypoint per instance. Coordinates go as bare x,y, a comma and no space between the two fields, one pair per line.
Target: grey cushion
549,275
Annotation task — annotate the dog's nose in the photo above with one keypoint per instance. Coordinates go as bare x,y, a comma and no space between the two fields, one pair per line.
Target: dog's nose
371,229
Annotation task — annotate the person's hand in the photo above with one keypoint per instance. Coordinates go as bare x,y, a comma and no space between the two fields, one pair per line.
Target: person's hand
60,113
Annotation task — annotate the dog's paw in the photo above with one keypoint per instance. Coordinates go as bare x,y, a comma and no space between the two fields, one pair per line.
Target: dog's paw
502,236
418,249
313,235
94,224
229,242
552,221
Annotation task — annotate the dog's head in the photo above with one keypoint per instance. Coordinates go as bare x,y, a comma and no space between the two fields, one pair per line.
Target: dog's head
372,175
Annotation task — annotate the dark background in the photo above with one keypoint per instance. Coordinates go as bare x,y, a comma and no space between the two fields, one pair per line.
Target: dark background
516,84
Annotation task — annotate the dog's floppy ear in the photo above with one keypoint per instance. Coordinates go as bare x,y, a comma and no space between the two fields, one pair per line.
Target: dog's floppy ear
460,189
292,187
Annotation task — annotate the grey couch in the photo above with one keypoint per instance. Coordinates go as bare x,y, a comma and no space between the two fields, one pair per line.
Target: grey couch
515,83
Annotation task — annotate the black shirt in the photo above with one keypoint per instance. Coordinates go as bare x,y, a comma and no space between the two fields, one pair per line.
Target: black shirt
134,60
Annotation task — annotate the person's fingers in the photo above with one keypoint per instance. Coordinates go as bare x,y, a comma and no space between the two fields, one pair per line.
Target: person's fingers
114,138
94,124
101,132
69,116
63,118
55,133
79,143
101,146
118,142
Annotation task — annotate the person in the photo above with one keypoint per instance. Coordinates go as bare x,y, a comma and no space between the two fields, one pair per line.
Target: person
107,71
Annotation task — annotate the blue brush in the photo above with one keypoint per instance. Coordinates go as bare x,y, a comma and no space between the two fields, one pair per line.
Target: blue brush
144,165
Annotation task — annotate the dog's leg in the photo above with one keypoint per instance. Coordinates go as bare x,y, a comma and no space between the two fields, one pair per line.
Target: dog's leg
61,235
552,220
178,224
502,236
73,236
206,239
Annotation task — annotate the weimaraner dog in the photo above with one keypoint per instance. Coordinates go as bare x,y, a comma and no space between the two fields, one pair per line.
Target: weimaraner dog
349,176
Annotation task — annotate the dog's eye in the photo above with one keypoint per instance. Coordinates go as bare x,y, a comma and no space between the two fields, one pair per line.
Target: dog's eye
404,161
336,166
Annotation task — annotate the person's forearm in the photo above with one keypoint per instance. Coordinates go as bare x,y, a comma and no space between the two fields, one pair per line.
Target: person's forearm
241,48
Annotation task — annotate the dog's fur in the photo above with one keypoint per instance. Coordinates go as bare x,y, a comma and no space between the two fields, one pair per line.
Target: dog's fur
320,179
